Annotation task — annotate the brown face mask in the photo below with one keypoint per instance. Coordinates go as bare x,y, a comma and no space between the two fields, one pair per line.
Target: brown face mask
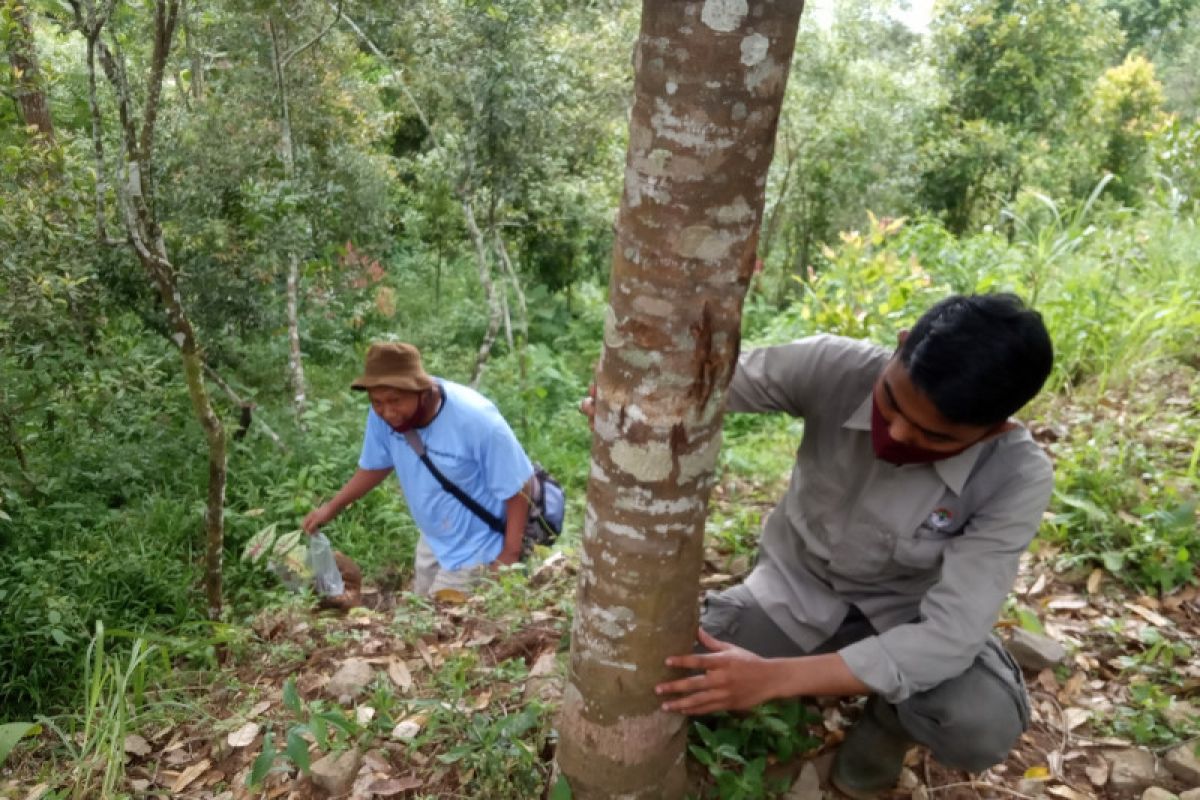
889,450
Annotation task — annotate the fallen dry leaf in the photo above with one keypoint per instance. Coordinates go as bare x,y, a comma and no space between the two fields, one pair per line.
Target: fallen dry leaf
136,745
426,655
481,639
259,708
363,715
1067,792
1076,717
37,791
450,596
1071,688
409,728
544,665
188,775
482,701
244,736
1150,616
397,670
394,786
1094,580
1038,773
1097,772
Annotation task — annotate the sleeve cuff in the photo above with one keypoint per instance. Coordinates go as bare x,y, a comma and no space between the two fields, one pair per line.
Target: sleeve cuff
871,663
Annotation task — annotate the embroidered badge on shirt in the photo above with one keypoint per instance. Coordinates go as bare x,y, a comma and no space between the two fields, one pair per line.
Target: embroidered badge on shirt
941,518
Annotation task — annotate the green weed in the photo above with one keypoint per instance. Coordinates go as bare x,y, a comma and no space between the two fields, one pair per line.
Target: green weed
737,751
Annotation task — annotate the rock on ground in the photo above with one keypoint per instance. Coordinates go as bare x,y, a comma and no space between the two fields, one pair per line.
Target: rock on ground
807,786
335,772
1033,651
1184,765
1155,793
1191,794
351,678
1131,770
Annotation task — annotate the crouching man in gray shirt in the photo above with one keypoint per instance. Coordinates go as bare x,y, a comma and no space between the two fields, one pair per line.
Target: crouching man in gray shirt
884,567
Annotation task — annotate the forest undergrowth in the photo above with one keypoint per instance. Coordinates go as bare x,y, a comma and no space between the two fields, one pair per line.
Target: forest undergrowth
129,691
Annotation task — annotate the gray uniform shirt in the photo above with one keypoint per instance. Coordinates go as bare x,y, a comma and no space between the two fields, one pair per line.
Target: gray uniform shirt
928,552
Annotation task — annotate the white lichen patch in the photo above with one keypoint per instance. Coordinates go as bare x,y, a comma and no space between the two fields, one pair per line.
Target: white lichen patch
642,501
640,359
612,332
738,112
699,135
597,473
724,15
704,243
762,76
692,465
754,49
736,212
615,622
620,529
649,463
653,306
672,87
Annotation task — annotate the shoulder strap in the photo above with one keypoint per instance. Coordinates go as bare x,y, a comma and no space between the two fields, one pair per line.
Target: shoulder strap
492,521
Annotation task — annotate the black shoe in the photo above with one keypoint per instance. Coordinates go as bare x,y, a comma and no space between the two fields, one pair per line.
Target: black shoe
870,759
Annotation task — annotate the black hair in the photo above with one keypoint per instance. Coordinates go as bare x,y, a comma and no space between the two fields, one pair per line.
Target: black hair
979,358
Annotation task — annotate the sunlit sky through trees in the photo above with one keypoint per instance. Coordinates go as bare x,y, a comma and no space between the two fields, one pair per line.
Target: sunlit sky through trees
914,13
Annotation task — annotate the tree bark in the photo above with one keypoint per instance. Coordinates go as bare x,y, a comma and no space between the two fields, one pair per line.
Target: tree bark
709,84
522,326
22,56
495,311
288,153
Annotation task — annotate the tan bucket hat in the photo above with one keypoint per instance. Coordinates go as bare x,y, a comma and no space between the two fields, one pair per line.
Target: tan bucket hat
396,365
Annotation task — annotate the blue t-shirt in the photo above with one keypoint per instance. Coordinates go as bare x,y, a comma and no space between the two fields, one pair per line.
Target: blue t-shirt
472,445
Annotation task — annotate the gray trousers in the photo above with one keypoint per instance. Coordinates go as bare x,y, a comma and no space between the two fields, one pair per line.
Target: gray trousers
968,722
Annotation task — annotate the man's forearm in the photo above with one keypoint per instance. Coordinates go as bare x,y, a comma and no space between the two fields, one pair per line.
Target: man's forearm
816,676
516,514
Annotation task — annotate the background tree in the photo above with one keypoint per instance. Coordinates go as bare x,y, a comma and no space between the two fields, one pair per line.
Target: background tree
27,87
837,157
1018,73
709,82
135,200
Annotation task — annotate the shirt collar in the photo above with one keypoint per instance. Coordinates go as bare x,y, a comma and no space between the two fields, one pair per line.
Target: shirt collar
953,471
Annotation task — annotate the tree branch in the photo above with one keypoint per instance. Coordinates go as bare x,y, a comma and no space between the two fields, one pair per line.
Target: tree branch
166,15
337,16
397,71
243,404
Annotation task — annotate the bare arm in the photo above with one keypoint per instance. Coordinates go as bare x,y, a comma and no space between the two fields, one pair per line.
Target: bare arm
361,482
516,514
734,678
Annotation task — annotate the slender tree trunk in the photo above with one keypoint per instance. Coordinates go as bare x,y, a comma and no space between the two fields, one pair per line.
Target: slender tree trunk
144,234
288,153
22,56
522,326
495,312
195,59
709,84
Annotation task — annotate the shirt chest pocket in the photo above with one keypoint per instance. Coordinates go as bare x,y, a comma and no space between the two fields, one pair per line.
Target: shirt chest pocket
924,549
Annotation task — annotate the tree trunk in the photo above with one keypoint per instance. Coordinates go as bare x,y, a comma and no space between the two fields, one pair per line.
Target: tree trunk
709,84
288,153
134,186
522,327
22,56
495,311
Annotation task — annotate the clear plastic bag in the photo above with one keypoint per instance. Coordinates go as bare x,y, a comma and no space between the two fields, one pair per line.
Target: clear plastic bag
327,579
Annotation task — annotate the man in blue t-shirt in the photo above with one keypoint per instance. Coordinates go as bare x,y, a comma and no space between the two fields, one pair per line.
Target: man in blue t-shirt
467,440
